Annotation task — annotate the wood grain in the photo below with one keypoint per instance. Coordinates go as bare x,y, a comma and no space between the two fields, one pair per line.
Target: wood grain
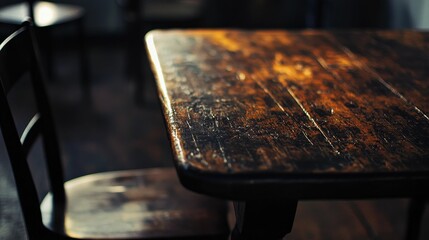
310,103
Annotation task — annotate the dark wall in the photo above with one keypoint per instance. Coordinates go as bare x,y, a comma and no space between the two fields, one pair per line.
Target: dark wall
106,17
357,14
256,13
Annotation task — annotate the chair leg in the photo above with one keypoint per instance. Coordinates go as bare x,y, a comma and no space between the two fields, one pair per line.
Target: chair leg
84,63
415,213
135,52
49,55
314,18
45,44
139,75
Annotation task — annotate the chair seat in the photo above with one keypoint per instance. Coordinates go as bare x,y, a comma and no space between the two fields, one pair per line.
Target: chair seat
45,13
135,204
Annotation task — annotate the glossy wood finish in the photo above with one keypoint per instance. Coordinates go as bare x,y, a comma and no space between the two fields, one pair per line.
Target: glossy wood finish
148,203
303,114
119,205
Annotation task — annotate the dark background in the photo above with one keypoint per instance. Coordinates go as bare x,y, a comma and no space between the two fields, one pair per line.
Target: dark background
106,17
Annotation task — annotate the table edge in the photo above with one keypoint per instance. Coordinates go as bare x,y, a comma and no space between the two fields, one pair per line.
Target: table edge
245,186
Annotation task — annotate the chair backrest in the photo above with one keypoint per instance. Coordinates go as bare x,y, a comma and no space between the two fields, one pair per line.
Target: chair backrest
19,56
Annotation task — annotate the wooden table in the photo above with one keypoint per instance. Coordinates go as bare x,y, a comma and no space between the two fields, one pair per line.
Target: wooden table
267,118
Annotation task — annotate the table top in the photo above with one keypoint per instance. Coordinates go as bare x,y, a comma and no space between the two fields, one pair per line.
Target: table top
305,114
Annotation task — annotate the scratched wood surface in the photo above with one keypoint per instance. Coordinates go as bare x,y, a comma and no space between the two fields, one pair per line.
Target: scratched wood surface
282,103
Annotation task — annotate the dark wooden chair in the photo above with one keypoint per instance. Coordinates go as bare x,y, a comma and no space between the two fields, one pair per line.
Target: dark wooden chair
149,203
47,15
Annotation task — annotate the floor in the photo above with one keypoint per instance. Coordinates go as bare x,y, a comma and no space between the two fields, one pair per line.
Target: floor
113,132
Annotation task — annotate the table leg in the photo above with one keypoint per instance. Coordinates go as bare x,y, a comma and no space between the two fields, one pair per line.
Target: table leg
263,219
416,209
84,61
